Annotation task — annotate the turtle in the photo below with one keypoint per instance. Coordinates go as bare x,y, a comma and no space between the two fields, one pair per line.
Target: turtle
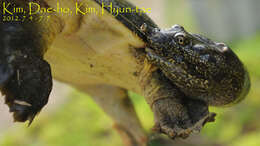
106,48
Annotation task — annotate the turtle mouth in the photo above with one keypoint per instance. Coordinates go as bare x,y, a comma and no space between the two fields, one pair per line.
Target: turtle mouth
221,47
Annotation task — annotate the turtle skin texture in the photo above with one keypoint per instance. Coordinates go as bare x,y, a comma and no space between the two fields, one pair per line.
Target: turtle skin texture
191,73
201,72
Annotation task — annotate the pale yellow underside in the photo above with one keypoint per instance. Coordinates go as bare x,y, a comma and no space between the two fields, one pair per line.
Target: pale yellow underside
97,52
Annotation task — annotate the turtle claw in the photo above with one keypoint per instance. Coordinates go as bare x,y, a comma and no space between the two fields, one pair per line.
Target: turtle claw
174,131
165,129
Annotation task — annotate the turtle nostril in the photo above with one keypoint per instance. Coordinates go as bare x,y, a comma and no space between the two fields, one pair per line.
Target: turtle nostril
177,26
221,44
225,48
222,47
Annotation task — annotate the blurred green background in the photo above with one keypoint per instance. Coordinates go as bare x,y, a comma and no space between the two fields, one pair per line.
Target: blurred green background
80,122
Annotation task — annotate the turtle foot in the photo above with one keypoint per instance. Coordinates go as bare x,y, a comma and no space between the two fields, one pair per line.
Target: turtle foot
179,118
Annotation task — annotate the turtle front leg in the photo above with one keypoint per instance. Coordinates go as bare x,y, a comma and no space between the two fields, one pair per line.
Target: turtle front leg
175,114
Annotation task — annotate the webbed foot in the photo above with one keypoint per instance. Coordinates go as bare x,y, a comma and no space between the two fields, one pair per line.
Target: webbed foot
27,90
180,117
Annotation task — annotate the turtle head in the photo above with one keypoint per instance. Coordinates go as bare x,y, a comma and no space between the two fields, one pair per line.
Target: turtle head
196,54
202,57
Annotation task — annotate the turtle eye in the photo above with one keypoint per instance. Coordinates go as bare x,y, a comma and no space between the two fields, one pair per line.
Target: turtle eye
180,38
